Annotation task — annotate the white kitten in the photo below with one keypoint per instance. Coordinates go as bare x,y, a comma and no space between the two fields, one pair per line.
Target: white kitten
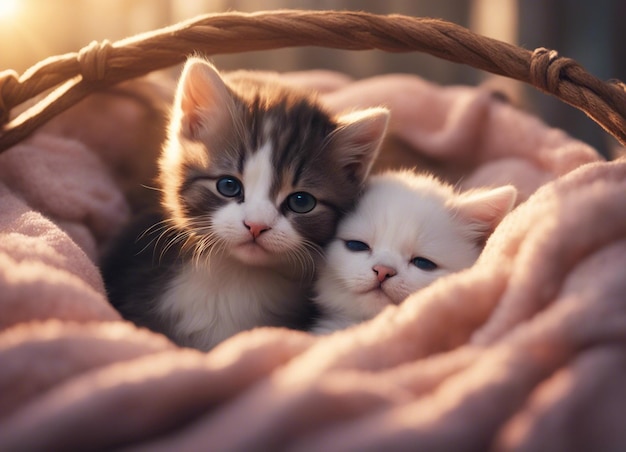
406,231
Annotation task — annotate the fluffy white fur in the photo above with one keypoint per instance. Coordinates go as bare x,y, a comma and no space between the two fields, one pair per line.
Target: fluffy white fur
402,216
212,304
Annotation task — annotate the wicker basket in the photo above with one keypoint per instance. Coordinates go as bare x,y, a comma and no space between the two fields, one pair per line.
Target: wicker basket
103,64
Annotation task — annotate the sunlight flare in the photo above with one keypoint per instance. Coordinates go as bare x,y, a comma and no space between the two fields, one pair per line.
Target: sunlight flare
9,9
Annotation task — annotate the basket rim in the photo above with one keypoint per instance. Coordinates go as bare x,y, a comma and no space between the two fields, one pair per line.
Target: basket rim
103,64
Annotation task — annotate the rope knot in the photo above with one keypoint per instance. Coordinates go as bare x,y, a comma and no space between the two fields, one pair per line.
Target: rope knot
8,82
547,69
92,60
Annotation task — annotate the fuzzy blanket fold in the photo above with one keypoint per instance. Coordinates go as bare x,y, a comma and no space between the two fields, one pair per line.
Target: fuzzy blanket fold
524,351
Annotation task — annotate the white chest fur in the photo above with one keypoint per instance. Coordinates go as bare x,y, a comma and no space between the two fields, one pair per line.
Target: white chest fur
207,307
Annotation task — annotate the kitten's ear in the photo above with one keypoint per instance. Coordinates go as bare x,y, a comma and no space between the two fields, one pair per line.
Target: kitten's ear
203,102
484,209
358,140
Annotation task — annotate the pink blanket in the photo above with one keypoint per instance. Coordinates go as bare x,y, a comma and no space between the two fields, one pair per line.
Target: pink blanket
523,351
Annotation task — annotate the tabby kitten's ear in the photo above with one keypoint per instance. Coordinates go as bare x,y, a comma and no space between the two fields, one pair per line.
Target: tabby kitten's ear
358,140
483,210
203,103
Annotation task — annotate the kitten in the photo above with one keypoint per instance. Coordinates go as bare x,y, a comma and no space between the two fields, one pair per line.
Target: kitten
406,231
254,177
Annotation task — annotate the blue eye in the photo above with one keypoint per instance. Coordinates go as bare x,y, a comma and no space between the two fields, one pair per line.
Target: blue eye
229,186
355,245
424,264
301,202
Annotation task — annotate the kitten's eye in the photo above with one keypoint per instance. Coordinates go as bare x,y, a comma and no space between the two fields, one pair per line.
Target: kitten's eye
301,202
355,245
229,186
424,264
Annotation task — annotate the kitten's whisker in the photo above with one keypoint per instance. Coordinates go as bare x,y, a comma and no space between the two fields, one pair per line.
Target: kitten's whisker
196,240
315,248
150,187
294,259
172,242
154,229
198,250
221,246
312,250
179,235
303,258
206,247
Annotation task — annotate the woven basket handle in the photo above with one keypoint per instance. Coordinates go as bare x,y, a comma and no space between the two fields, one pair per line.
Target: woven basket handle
103,64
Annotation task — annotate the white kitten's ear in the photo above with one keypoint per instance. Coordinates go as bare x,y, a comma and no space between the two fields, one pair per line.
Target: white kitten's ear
358,141
203,102
483,210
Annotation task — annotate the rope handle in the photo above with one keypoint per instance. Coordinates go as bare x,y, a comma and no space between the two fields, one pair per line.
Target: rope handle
103,64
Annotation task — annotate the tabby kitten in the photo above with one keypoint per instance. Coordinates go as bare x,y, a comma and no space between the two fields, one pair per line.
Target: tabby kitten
406,231
254,179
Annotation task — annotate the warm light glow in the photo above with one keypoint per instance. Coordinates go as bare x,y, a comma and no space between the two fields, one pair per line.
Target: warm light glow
8,9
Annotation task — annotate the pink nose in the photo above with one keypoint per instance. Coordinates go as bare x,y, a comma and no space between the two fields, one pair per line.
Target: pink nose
383,272
256,229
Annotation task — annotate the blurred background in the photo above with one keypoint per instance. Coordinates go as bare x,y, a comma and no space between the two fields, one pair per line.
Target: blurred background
589,32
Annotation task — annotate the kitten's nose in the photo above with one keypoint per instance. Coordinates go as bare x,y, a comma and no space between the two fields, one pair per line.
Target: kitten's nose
256,229
383,272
